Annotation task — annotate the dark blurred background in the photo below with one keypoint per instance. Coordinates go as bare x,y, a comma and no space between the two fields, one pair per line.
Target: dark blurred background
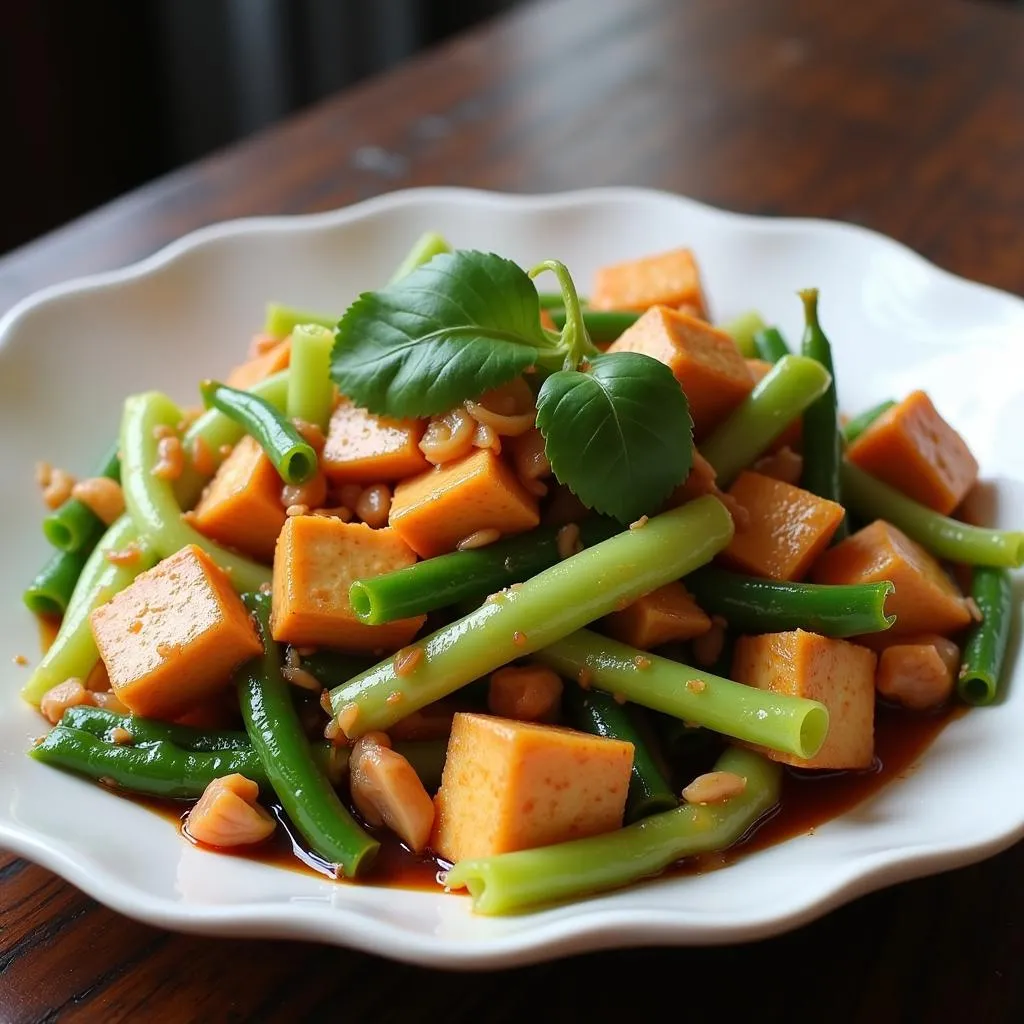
100,96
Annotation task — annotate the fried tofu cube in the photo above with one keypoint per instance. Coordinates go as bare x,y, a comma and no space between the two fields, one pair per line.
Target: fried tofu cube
912,448
172,638
510,785
363,448
241,506
918,672
317,559
273,360
785,528
666,615
432,512
664,279
705,361
925,600
839,674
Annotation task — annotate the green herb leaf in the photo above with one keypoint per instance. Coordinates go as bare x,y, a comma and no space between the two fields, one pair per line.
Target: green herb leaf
453,328
619,435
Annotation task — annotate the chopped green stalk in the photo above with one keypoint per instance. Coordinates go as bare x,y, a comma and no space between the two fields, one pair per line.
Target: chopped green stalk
310,388
985,648
752,604
464,576
282,320
792,725
743,329
73,653
866,496
150,499
74,526
305,792
219,433
770,345
101,723
512,881
51,590
855,427
292,455
533,614
603,325
426,247
782,395
822,443
600,714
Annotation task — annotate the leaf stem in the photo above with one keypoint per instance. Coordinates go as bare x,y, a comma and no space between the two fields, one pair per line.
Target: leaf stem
574,340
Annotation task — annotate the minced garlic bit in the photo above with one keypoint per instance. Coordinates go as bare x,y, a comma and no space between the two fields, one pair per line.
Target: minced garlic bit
642,662
619,698
714,787
122,737
57,484
972,607
346,719
696,685
585,678
373,506
311,434
20,659
395,697
265,588
202,457
567,541
638,524
298,676
479,539
128,555
407,659
296,510
170,458
325,702
162,430
518,638
102,496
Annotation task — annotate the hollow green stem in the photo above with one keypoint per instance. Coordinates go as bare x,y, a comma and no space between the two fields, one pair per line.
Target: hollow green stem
281,320
770,345
74,526
425,248
985,649
855,427
50,592
743,330
310,388
101,723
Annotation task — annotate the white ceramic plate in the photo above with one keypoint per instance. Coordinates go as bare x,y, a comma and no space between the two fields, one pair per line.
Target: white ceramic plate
69,355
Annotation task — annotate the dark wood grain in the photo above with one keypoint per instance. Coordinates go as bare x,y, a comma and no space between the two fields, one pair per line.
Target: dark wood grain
903,115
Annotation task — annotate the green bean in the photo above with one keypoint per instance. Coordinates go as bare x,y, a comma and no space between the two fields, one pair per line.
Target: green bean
425,248
792,725
752,604
778,399
292,455
310,388
855,427
601,715
73,653
985,647
277,737
150,499
533,614
870,498
554,300
465,576
511,881
603,325
743,330
101,723
770,345
281,320
74,526
51,590
219,433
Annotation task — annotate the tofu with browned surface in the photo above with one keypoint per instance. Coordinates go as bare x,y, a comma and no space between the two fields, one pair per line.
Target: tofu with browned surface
666,615
511,785
664,279
363,448
171,639
839,674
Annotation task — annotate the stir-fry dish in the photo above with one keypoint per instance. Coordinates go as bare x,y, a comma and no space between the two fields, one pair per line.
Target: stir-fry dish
552,592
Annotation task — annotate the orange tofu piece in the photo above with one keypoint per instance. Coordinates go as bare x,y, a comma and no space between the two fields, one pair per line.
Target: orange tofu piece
839,674
363,448
666,615
317,559
171,639
705,361
664,279
241,506
918,672
912,448
517,785
432,512
925,600
254,370
785,529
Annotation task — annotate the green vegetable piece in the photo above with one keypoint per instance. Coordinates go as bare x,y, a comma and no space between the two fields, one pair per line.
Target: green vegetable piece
101,723
292,455
620,435
770,345
277,737
50,592
282,320
465,576
779,398
855,427
426,247
150,499
755,605
985,648
310,388
332,668
74,526
455,327
509,882
553,301
603,325
73,652
743,329
599,714
536,613
866,496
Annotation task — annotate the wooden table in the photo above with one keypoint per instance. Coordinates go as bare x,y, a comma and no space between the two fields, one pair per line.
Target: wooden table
903,115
